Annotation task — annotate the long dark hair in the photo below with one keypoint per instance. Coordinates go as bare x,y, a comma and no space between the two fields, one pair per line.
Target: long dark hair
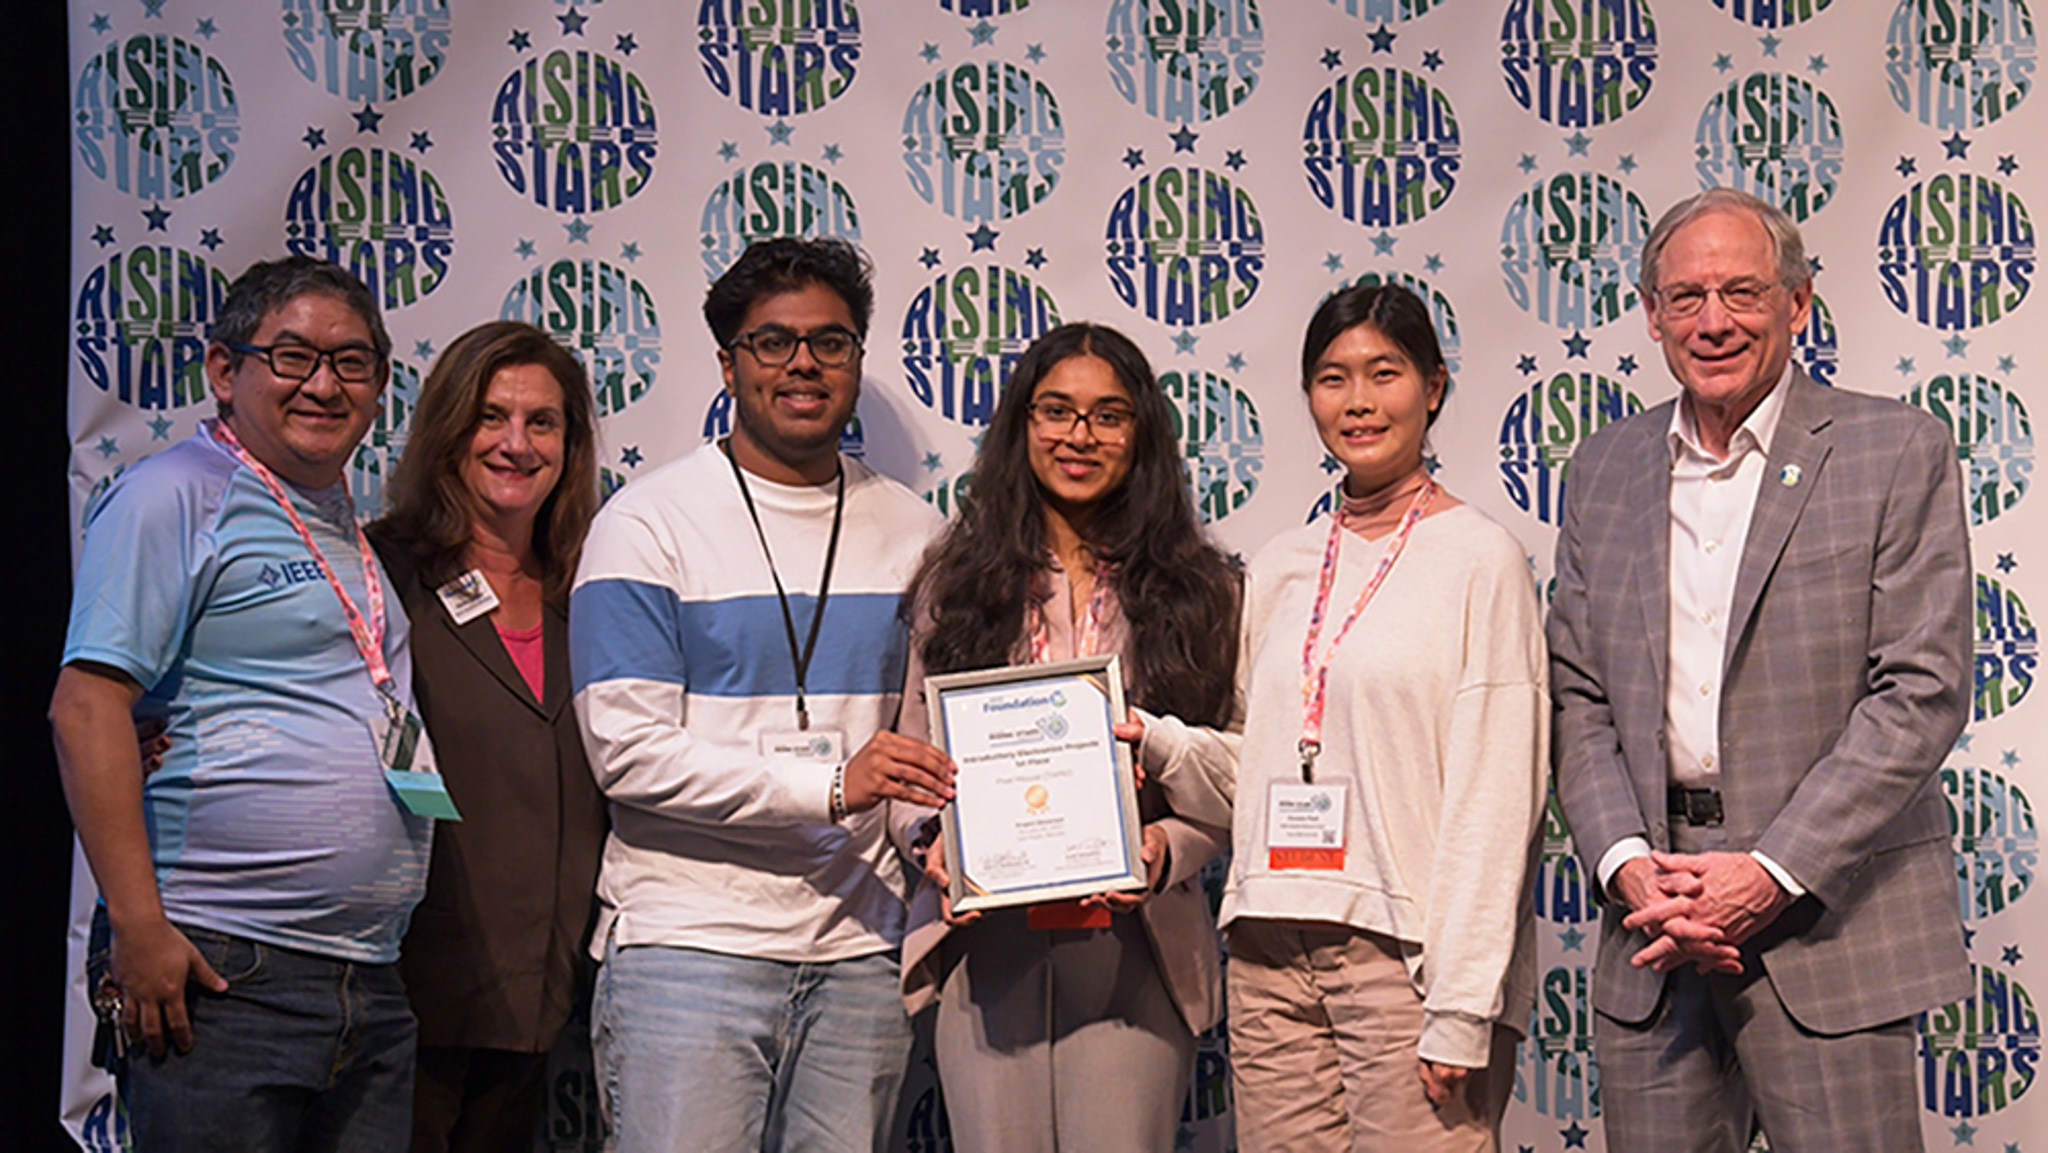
428,508
1178,592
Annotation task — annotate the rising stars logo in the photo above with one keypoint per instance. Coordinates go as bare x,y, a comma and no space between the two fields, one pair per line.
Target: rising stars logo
140,321
1571,249
574,131
1217,425
1993,435
367,50
1996,841
2008,649
1979,1055
1957,64
1956,251
983,141
380,214
769,198
1775,136
963,333
1185,61
1185,246
156,116
779,59
1381,147
601,313
1545,423
1578,63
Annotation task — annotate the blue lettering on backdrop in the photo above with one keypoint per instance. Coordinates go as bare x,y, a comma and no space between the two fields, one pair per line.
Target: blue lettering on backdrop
779,57
367,50
1184,61
574,132
157,116
140,324
963,334
1578,63
771,199
603,315
1956,251
983,141
379,214
1382,147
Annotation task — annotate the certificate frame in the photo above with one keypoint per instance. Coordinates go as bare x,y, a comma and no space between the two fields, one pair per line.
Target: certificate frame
998,856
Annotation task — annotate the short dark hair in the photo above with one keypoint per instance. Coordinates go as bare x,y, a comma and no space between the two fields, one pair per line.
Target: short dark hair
786,264
269,285
1393,311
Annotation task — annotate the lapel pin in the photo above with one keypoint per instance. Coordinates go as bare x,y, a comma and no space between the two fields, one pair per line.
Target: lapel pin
1789,475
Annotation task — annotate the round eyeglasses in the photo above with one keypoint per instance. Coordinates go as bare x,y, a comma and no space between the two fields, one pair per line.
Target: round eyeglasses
351,364
830,347
1111,423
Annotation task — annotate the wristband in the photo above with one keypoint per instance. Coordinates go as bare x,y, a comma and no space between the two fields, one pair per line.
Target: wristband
837,806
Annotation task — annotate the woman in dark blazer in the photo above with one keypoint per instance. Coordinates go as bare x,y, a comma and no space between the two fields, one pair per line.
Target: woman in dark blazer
486,515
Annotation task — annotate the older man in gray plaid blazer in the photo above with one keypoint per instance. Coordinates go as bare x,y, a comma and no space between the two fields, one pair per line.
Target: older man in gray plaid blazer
1760,654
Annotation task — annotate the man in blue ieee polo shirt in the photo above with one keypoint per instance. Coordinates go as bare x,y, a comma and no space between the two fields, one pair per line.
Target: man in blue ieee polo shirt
256,885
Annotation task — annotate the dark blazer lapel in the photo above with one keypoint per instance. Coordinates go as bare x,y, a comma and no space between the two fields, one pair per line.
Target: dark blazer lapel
480,637
554,643
1799,449
1649,505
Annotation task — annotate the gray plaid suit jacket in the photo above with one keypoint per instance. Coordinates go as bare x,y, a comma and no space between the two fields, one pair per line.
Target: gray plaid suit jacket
1846,681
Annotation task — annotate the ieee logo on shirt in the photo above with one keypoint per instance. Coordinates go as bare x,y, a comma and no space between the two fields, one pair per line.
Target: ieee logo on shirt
289,573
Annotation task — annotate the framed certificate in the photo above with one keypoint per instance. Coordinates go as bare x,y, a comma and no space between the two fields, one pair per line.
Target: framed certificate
1045,805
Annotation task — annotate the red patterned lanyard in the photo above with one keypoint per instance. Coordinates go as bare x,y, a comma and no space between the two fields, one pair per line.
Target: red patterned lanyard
1087,630
1315,675
368,635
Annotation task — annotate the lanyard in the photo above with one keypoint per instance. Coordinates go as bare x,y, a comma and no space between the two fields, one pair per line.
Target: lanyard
368,635
801,658
1087,630
1315,675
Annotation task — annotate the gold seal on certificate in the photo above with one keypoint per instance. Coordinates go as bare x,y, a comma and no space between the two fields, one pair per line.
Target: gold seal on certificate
1045,806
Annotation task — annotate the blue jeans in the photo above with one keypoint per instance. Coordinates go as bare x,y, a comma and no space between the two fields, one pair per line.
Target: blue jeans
700,1050
303,1053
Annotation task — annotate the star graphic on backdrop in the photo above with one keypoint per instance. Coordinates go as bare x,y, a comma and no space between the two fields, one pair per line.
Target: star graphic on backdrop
1574,1136
832,154
1571,939
778,132
315,137
1577,143
206,28
1333,262
1816,64
2007,165
1963,746
1526,365
153,9
1432,60
1813,265
1184,140
1527,163
1383,244
524,248
1035,257
1906,166
1184,342
101,24
2007,364
103,235
983,238
929,258
2009,759
572,22
1957,147
1956,346
1331,465
1769,44
630,456
932,462
1904,367
930,52
1234,362
2012,1147
1626,366
423,349
727,150
520,40
1133,158
626,44
1434,262
209,239
421,142
1034,52
578,230
1627,163
629,252
982,33
1234,160
107,446
1969,934
2010,955
160,427
1382,39
368,119
1723,62
1964,1133
157,215
2006,563
1332,59
1575,345
1525,1149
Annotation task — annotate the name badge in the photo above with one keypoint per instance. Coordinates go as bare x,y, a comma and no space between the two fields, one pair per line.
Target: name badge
1305,826
824,745
467,597
407,757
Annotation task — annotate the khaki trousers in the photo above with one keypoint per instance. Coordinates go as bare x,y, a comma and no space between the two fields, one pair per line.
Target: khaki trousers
1324,1024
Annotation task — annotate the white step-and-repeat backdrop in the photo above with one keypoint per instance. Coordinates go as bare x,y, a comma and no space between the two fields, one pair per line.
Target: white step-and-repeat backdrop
1198,173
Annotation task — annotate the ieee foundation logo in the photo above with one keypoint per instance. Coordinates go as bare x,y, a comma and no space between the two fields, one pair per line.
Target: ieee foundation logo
1997,844
1382,147
1993,436
1959,63
771,199
1979,1055
1557,1075
1544,424
983,141
1578,63
779,59
1819,347
367,50
1956,251
574,132
2008,649
1185,61
376,457
1185,246
963,334
1773,13
140,323
600,313
1218,428
1571,249
379,214
1774,136
156,116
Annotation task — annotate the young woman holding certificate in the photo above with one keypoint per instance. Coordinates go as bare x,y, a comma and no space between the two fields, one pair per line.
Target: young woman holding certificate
1078,538
1390,779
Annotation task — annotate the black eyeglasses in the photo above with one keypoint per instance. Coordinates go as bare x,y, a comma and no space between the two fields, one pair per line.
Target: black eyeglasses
1111,423
352,364
776,346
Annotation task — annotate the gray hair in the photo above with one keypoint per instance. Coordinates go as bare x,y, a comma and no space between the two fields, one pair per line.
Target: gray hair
1789,249
271,284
